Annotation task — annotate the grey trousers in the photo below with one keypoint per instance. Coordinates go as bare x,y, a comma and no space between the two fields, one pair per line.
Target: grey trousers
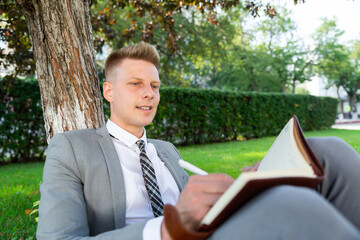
332,211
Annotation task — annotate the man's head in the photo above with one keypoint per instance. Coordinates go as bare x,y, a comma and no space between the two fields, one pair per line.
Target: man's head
142,51
132,86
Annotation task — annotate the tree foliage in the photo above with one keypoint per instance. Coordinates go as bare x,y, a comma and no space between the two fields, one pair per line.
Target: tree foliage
202,45
16,56
119,22
339,63
291,60
271,59
146,16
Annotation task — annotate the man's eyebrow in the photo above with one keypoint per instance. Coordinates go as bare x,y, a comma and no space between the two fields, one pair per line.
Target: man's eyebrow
136,78
141,79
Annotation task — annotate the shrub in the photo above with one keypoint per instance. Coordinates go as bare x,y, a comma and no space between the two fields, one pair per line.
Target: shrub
188,116
22,135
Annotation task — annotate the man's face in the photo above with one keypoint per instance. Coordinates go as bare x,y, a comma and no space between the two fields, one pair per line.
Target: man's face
133,92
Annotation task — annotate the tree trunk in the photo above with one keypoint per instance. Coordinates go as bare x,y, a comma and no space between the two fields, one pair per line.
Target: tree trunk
253,80
341,101
352,101
255,86
283,87
354,98
64,53
293,85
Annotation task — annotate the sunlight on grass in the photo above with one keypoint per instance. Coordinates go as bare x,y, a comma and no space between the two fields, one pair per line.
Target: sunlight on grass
229,157
256,155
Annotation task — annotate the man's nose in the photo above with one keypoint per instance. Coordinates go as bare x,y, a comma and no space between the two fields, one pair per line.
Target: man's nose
148,92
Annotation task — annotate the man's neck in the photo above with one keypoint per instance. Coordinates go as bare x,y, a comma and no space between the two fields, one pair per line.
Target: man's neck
136,131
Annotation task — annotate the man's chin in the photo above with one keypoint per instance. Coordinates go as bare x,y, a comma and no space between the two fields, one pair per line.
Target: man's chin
145,123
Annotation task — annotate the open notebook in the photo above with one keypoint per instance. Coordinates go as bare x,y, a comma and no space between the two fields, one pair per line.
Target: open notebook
289,161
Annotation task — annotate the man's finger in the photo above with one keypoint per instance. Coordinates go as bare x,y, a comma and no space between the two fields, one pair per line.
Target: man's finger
209,184
246,169
212,177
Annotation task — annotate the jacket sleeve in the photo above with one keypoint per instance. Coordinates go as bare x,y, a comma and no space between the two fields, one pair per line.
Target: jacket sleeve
62,210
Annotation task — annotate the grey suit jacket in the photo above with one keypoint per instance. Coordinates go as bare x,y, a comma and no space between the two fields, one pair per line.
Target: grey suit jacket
83,192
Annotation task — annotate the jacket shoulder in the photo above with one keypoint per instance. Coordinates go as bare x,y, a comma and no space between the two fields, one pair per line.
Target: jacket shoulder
165,146
79,132
161,144
82,135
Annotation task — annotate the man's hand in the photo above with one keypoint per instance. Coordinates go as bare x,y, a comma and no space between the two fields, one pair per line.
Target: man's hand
199,195
252,168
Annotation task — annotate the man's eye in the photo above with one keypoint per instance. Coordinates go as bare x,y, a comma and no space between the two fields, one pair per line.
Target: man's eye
134,83
155,86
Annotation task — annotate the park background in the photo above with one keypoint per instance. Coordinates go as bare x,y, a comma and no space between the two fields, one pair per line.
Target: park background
232,74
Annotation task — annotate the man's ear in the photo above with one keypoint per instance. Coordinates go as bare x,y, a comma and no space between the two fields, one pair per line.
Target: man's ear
107,91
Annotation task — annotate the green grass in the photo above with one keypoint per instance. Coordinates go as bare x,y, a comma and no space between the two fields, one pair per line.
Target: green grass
19,183
352,137
231,157
19,188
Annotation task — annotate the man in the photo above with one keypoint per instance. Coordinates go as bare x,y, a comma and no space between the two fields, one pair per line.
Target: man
112,182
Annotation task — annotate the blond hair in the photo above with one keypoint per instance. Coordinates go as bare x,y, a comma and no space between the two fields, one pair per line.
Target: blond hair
141,51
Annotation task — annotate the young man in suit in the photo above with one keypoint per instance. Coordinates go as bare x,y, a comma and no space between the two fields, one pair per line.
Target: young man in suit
112,182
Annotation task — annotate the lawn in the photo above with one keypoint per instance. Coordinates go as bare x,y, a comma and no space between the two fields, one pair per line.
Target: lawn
230,157
20,182
19,188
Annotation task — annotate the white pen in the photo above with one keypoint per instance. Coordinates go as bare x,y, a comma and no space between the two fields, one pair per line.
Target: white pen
188,166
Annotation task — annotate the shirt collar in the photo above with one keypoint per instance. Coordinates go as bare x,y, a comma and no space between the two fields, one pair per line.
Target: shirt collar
122,135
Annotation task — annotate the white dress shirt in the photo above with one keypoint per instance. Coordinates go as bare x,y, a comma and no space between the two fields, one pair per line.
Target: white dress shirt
138,206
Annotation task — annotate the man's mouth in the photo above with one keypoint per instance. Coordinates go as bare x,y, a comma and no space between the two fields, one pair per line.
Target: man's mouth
145,108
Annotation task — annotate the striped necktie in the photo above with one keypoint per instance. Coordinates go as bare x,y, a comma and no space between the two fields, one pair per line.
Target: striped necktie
150,181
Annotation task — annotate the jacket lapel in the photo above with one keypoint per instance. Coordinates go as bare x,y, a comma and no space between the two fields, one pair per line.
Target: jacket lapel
115,175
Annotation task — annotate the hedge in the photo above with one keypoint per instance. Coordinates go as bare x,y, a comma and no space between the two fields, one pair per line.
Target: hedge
22,133
188,116
185,116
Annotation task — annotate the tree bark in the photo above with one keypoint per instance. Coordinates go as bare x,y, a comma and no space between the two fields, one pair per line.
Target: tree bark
283,87
341,101
354,98
352,101
293,85
62,41
255,86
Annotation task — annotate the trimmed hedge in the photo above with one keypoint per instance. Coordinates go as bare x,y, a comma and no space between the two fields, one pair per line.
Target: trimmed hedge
22,133
188,116
185,116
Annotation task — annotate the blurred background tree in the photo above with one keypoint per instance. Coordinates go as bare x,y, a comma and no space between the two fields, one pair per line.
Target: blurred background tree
338,62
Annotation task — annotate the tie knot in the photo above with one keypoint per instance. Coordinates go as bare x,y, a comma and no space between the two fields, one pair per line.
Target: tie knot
141,145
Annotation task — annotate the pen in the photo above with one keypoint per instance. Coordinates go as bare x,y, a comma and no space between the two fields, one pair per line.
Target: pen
188,166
